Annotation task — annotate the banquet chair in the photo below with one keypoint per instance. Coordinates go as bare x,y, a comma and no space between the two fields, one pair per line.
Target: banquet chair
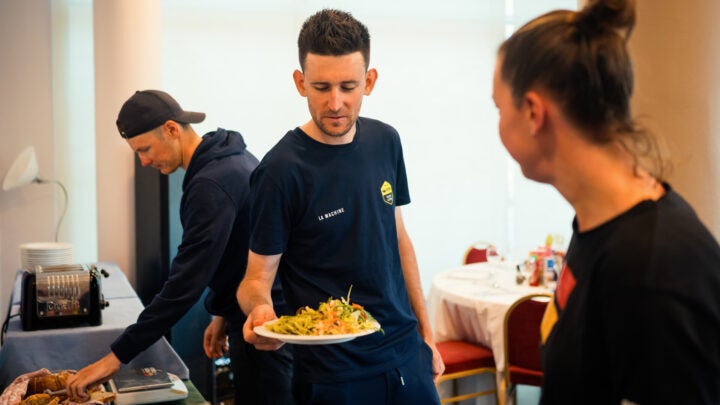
464,359
522,344
476,253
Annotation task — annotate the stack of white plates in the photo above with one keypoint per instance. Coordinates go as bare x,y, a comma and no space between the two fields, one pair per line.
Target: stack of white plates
45,254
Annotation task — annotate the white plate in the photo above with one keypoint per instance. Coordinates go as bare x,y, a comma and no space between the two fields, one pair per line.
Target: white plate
46,246
310,340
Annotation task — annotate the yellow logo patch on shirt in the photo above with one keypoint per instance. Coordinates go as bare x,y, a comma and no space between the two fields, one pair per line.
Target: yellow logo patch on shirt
549,320
387,193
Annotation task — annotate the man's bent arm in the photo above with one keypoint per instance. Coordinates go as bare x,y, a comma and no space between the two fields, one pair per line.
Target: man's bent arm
411,273
255,288
255,298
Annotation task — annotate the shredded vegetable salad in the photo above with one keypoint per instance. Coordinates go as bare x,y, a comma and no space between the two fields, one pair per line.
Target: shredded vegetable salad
333,317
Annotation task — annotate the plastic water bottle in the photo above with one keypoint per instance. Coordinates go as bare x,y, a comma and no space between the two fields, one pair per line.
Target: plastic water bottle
550,273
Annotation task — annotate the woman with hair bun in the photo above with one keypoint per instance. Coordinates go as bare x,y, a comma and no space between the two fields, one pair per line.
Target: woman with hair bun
636,313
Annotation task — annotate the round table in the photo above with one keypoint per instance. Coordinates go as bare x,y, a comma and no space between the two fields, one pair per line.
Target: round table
470,302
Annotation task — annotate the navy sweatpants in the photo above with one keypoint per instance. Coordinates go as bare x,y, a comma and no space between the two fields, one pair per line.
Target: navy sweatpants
260,377
411,383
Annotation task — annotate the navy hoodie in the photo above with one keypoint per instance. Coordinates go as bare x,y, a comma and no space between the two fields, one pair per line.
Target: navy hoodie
214,212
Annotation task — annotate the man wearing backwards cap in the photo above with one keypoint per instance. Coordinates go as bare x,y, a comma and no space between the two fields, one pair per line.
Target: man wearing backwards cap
214,212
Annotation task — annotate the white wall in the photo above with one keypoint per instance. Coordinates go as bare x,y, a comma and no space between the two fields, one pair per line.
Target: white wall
127,46
27,214
73,122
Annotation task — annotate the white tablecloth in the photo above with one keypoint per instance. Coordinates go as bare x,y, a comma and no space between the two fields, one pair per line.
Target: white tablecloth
470,302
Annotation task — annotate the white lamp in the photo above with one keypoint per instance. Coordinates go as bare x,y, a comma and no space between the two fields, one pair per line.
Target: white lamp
24,170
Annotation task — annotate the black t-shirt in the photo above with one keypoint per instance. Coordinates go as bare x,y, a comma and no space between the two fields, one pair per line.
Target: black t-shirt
330,211
643,320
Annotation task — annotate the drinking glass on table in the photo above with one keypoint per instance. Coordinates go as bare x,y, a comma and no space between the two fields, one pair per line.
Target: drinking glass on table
493,257
493,254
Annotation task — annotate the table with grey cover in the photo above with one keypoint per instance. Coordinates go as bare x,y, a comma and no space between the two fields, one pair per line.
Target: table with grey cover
76,347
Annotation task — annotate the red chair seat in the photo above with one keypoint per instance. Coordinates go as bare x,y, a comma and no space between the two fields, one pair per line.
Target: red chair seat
464,359
460,356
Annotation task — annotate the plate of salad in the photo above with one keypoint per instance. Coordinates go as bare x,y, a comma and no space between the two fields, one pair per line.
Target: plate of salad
334,321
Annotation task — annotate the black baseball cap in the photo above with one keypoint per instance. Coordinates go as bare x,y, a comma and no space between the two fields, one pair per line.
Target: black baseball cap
148,109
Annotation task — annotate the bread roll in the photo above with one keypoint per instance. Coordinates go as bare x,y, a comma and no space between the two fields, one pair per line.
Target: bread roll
35,393
53,382
40,399
103,396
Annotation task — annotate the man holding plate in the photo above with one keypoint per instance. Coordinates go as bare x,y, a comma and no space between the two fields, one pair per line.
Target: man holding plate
325,217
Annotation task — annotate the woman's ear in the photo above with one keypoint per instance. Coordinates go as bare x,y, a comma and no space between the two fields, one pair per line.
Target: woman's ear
536,111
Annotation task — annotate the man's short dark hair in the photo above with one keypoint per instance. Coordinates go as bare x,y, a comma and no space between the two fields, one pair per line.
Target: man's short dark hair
333,33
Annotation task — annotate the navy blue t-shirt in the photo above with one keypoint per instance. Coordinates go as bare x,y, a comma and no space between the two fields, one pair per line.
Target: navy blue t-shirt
330,211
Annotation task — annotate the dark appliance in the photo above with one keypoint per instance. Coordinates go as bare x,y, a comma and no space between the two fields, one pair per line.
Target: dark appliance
61,296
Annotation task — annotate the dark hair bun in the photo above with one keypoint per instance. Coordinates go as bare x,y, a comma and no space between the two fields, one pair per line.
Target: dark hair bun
600,17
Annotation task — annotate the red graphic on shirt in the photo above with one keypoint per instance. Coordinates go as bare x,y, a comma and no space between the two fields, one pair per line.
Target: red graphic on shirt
564,286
